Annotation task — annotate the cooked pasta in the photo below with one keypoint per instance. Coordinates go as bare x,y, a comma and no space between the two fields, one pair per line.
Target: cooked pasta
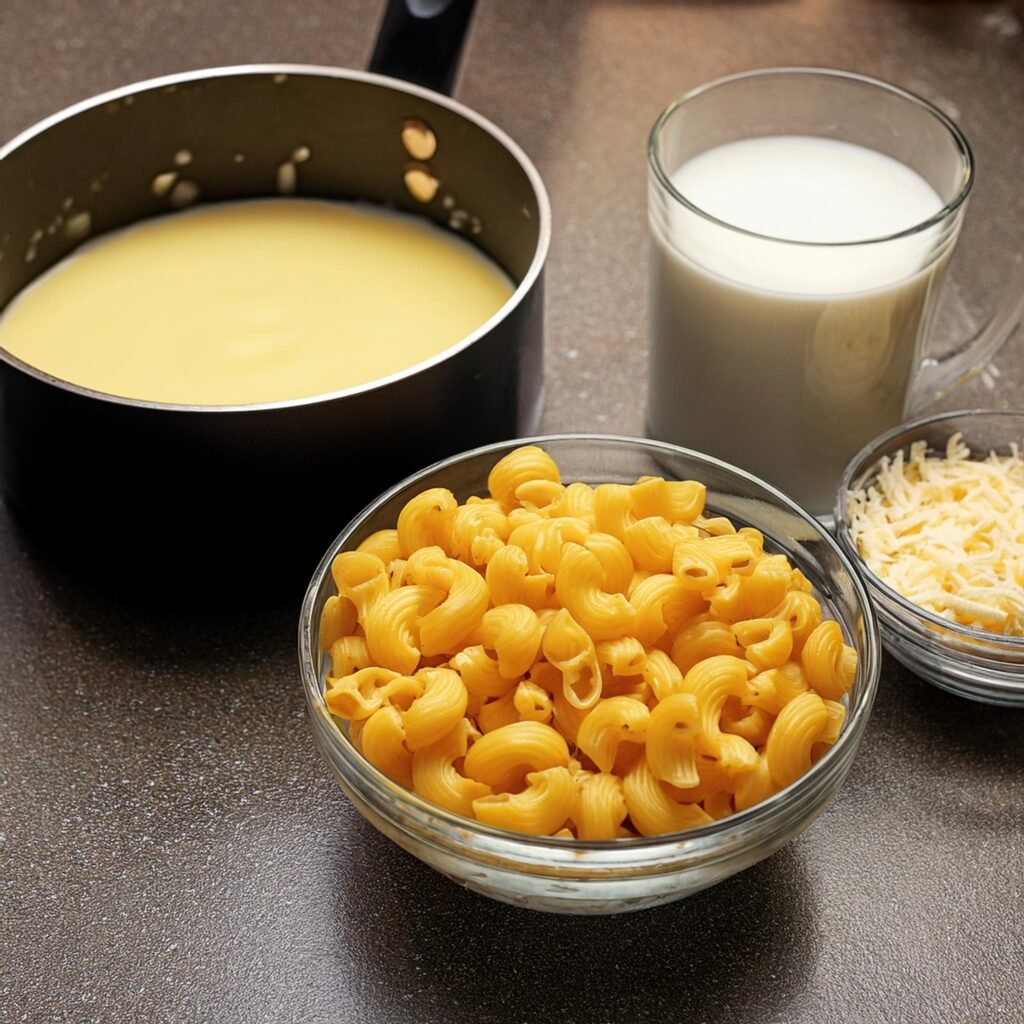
348,654
652,808
570,648
599,806
540,809
382,743
383,544
615,561
437,711
610,724
435,777
514,633
477,530
392,626
578,587
493,714
510,580
361,578
590,663
767,643
503,758
337,620
481,673
828,662
519,467
672,732
426,520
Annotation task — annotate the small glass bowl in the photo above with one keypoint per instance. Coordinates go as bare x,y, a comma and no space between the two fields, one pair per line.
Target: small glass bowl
572,876
972,663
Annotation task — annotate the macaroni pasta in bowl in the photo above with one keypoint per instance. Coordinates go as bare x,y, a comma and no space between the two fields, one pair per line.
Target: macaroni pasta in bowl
551,665
583,662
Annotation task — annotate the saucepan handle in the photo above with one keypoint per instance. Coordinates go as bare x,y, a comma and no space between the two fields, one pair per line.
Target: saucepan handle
420,41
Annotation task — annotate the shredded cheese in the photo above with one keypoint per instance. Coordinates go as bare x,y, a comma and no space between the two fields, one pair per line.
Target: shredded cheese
948,533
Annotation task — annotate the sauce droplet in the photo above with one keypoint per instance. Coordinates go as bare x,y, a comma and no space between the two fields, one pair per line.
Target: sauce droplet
163,183
287,179
421,184
184,193
33,245
78,225
419,140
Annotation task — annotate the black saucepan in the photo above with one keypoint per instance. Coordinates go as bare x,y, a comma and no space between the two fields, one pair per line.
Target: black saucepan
193,497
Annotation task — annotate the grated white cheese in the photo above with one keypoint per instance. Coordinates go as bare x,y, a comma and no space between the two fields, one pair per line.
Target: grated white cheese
948,533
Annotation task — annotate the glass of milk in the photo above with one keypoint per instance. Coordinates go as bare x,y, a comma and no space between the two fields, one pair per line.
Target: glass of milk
802,222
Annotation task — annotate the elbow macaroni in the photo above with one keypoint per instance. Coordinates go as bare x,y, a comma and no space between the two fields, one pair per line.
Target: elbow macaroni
582,662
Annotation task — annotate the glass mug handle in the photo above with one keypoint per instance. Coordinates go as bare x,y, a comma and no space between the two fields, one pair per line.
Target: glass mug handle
937,375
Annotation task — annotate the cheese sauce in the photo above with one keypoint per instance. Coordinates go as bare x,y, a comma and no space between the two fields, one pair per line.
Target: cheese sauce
258,301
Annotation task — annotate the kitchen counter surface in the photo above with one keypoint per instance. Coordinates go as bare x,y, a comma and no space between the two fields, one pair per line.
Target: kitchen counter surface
171,848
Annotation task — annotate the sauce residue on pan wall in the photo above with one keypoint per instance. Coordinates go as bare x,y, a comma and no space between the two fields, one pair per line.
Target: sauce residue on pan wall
258,301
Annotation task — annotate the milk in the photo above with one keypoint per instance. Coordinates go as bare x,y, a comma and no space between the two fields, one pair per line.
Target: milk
786,358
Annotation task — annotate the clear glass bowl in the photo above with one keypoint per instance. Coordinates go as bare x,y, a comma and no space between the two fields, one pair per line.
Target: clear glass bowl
970,662
571,876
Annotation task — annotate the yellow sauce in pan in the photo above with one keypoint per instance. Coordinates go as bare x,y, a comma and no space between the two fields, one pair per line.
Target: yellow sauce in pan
257,301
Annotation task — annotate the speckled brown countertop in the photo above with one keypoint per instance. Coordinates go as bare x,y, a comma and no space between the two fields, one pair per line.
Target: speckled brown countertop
170,846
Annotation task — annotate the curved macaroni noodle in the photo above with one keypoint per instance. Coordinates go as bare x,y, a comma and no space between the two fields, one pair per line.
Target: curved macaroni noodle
392,633
570,648
651,809
510,580
435,777
611,723
437,710
599,806
425,521
514,633
337,620
384,544
362,578
672,740
540,809
578,589
830,665
502,758
382,743
477,530
517,468
801,724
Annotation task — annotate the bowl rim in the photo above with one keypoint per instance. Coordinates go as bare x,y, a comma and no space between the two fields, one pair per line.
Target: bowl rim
323,71
768,809
866,460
